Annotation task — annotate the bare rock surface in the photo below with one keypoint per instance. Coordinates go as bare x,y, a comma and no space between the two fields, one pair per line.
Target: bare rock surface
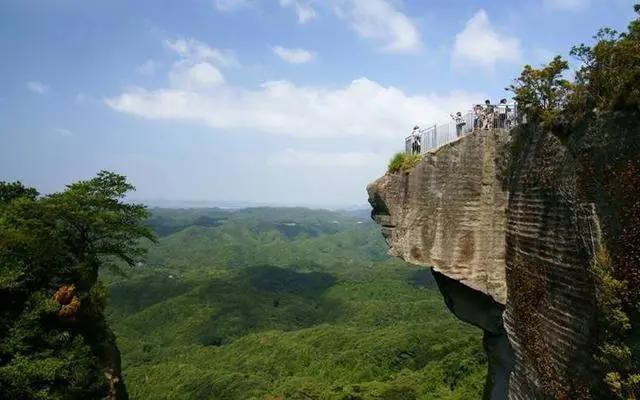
449,212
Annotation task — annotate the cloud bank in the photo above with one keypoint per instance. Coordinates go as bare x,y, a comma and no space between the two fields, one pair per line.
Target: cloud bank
479,44
361,108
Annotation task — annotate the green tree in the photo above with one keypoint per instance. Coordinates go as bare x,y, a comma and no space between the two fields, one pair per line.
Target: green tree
54,342
609,77
542,93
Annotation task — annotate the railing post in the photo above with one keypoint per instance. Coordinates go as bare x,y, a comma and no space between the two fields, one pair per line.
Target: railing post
435,137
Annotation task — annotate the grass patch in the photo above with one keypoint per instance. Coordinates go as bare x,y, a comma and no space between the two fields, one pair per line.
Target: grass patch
403,161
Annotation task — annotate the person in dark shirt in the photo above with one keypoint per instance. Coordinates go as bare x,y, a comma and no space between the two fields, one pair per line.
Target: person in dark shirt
488,115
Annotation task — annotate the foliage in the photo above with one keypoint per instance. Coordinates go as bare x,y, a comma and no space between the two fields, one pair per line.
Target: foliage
542,93
403,161
52,329
607,81
248,309
609,78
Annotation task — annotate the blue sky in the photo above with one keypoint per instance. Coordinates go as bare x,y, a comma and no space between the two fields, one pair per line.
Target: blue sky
291,102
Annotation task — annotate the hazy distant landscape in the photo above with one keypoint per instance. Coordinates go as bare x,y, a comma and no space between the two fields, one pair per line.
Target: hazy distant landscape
286,303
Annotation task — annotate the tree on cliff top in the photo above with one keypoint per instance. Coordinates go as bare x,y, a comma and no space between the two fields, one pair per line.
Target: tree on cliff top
54,342
608,80
542,93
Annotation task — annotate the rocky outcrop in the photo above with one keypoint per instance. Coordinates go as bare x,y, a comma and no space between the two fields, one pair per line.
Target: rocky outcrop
516,222
449,213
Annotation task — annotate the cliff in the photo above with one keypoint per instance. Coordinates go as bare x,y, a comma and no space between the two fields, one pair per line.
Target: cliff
517,226
449,213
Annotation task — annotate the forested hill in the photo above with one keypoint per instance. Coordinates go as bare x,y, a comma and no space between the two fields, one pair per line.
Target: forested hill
288,303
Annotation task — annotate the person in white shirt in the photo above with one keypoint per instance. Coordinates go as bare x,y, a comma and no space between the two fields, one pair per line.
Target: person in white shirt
460,123
415,140
502,114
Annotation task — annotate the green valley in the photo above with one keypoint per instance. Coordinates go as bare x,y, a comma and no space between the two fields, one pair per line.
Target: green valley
286,303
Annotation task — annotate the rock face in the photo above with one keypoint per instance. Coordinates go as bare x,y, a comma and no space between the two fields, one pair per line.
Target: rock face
551,238
573,212
513,224
449,213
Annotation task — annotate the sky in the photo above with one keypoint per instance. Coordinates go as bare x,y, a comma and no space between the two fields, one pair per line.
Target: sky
279,102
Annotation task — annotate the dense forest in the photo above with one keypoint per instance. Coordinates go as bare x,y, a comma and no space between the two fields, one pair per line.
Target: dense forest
285,304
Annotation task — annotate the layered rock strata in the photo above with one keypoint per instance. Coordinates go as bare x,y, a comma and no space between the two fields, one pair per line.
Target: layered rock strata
518,222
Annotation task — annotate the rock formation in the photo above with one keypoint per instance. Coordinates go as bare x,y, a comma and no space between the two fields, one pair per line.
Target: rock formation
449,213
513,224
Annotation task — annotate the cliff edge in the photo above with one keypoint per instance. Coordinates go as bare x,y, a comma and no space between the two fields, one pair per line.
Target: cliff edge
449,213
525,231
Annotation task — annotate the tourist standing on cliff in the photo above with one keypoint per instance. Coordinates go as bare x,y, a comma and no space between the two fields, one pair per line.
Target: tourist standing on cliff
488,115
502,114
415,140
460,123
477,116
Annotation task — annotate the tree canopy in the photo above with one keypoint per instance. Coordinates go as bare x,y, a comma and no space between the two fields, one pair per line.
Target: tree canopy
607,80
53,339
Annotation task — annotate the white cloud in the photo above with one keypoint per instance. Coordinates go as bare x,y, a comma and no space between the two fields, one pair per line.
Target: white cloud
362,108
196,51
304,11
480,44
294,56
64,132
231,5
202,75
148,67
298,158
570,5
37,87
380,21
198,64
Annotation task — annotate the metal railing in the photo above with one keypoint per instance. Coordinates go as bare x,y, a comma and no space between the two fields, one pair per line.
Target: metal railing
436,136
